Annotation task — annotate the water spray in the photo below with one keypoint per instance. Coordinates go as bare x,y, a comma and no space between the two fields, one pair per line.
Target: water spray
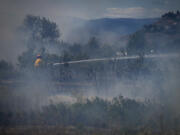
172,55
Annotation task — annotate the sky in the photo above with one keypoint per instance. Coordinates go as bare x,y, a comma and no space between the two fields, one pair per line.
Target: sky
12,13
88,9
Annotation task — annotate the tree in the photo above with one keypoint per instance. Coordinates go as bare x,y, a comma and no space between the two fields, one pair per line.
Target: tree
137,43
26,59
93,43
75,49
93,47
41,29
6,70
41,33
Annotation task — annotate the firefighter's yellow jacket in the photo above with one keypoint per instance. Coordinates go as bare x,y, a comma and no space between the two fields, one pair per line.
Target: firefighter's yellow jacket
38,62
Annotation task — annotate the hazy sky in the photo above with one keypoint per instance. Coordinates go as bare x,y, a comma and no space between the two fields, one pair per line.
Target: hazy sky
12,13
89,8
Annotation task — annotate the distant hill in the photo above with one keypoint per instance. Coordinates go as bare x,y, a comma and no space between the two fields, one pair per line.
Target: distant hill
122,26
108,30
161,36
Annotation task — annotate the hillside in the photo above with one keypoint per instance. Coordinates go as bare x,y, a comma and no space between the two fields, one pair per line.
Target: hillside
121,26
161,36
108,30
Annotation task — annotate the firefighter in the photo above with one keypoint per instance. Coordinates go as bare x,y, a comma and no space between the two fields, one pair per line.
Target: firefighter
38,62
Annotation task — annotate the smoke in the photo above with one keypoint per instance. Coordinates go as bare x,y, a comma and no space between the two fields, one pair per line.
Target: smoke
171,84
37,91
11,42
161,85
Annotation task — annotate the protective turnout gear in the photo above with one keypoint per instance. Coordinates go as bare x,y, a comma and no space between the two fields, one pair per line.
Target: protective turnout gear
38,62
